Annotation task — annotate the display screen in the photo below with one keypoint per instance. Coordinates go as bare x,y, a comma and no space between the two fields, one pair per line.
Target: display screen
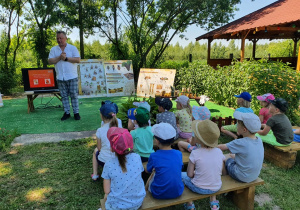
41,78
35,79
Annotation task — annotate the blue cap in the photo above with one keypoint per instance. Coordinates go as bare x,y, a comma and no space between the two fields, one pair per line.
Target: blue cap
111,103
107,108
244,95
130,113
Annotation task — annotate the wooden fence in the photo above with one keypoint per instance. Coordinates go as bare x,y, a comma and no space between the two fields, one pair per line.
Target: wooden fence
224,121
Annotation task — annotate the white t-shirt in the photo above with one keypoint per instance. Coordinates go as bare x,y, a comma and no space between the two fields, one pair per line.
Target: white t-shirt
105,153
65,70
208,168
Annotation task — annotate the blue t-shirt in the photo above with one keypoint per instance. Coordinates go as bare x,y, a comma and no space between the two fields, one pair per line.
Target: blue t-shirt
296,137
127,190
249,157
167,181
142,141
244,110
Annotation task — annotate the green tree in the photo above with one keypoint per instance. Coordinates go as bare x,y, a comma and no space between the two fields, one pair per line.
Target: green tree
151,25
82,14
44,15
10,17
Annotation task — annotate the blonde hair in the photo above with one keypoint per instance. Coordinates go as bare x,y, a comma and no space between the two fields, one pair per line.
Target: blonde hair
112,118
189,110
244,103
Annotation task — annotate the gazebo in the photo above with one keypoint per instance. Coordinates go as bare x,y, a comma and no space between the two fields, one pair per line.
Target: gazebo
279,20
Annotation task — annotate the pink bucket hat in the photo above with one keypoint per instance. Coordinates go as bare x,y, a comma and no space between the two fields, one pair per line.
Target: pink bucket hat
120,140
183,100
266,97
200,112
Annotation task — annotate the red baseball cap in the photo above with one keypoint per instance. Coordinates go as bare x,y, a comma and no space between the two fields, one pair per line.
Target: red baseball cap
120,140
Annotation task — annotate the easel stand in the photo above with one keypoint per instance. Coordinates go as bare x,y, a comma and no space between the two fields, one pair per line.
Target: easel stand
31,96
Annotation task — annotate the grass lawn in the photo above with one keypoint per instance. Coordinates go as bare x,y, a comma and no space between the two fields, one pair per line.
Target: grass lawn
14,115
57,176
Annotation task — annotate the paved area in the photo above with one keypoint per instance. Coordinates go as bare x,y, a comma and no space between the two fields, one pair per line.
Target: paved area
25,139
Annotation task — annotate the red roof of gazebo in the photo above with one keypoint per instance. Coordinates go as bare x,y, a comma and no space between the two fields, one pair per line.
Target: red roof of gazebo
281,19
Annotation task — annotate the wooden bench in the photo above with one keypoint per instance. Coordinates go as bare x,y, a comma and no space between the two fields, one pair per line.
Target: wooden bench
284,157
243,195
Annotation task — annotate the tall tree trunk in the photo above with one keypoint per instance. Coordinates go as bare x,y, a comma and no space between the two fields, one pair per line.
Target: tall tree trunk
6,52
81,30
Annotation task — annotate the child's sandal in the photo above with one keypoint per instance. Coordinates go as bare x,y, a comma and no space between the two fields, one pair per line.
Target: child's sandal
214,203
188,207
95,177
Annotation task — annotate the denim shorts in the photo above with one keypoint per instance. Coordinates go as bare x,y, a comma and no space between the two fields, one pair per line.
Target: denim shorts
230,167
188,182
100,163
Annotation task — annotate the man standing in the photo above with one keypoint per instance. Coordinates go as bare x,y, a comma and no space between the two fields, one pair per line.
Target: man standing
64,56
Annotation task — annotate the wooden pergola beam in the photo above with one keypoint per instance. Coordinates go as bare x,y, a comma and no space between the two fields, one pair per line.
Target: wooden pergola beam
278,28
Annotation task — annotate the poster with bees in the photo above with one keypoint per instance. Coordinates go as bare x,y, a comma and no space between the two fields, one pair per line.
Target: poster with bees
155,82
119,78
91,78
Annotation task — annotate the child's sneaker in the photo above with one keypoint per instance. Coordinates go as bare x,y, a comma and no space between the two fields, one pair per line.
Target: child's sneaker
95,177
214,205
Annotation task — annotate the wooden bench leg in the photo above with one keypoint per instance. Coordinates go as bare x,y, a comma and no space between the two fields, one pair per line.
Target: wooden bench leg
279,158
244,199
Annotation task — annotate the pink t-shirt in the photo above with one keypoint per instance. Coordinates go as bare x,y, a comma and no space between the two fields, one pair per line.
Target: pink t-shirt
208,168
265,112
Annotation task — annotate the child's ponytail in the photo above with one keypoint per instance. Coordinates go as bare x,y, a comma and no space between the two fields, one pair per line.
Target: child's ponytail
189,110
122,160
114,120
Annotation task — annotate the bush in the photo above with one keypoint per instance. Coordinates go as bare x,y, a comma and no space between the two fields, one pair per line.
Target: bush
256,77
129,104
7,80
6,137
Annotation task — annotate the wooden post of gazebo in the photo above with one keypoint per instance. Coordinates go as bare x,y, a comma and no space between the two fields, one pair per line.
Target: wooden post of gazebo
298,62
243,38
254,47
295,45
208,49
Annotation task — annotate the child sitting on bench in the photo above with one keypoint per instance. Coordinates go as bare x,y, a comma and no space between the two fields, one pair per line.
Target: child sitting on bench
122,182
244,101
165,164
264,114
184,117
102,152
199,113
245,162
165,116
278,131
206,163
142,136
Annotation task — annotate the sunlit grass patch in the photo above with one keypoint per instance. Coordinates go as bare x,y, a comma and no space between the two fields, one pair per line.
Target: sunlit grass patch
5,168
13,152
43,170
91,143
38,194
28,164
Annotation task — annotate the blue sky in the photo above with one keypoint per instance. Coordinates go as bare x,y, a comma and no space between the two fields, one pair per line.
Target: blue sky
245,7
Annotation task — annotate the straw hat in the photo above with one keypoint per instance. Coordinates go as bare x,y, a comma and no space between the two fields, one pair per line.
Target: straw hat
206,132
